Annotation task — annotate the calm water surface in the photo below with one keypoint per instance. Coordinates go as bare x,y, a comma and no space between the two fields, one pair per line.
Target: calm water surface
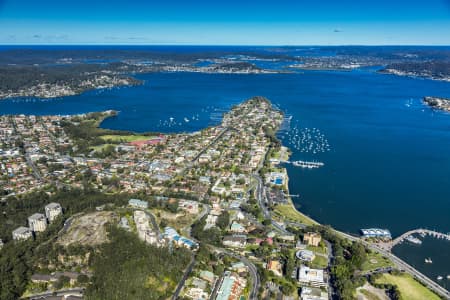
389,164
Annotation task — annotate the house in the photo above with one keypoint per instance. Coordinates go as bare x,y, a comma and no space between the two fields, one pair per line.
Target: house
138,203
73,276
312,277
231,287
37,222
172,235
275,266
239,267
235,240
41,278
208,276
52,211
237,228
312,238
22,233
189,206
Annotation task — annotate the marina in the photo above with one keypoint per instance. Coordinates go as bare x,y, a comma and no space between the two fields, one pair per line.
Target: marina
303,164
408,236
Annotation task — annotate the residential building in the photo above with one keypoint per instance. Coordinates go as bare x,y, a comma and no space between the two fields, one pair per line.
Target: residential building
208,276
231,287
37,222
138,203
312,277
237,228
189,206
276,267
22,233
312,238
52,211
235,240
239,267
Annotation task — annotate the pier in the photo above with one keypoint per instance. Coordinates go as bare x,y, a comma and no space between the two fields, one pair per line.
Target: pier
304,164
420,231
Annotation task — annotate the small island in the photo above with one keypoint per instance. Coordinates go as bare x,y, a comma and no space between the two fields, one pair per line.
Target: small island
438,102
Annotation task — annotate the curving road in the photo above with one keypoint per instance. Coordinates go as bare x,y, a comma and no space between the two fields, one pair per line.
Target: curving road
400,264
251,268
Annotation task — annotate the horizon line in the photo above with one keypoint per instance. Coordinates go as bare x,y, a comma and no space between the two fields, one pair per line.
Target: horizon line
230,45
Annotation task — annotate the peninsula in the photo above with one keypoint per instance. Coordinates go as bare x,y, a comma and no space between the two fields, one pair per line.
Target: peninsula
102,214
438,102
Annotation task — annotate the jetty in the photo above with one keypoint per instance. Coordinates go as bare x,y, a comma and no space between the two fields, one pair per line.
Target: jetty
305,164
420,231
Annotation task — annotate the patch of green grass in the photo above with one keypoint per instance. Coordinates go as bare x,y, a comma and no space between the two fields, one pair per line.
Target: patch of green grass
288,212
319,249
125,138
375,260
320,262
410,289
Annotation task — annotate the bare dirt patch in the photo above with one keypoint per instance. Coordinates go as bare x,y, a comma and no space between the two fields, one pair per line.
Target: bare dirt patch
88,229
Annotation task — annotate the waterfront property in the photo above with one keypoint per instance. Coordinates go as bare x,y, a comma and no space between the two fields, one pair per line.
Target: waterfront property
376,233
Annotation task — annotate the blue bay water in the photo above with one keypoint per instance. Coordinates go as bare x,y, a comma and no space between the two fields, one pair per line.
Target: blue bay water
389,164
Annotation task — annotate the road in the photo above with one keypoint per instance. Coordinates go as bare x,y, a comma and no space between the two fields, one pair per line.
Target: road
400,264
212,143
261,198
251,268
183,280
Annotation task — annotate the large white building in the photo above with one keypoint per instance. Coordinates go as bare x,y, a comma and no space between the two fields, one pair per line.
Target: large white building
37,222
52,211
312,277
22,233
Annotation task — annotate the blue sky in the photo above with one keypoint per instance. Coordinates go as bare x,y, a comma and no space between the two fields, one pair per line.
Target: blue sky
216,22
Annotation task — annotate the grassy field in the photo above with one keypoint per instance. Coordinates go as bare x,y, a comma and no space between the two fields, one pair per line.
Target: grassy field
320,262
288,212
318,249
410,289
374,261
125,138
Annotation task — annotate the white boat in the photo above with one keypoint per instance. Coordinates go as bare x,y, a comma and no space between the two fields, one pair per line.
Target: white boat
439,278
428,261
448,277
413,240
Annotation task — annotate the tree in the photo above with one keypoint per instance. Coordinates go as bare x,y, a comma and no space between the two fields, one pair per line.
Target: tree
267,222
62,281
223,220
